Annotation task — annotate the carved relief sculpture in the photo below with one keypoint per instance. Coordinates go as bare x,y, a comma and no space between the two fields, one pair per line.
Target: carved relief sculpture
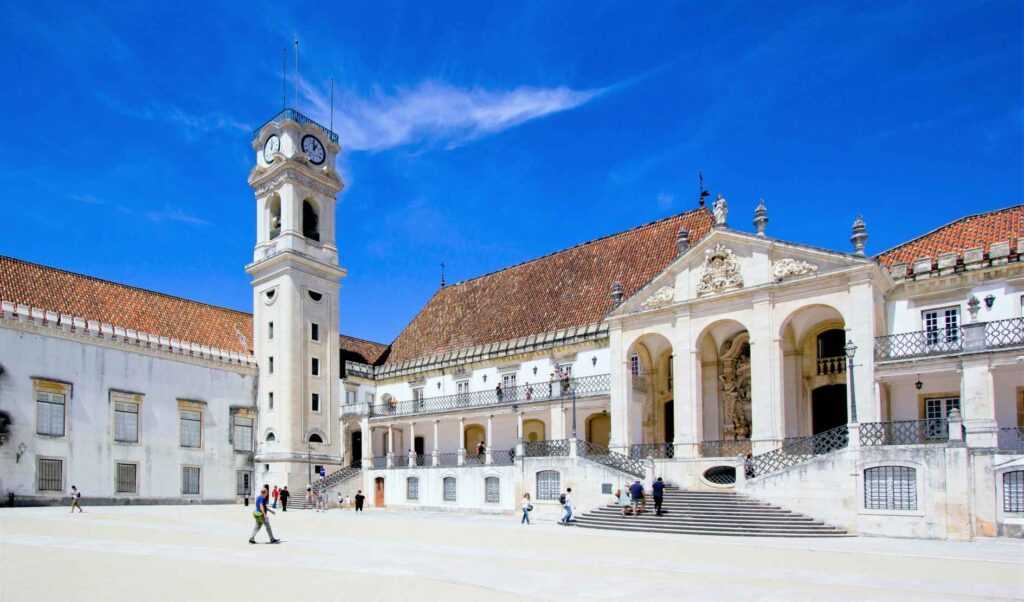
662,297
734,381
787,268
721,271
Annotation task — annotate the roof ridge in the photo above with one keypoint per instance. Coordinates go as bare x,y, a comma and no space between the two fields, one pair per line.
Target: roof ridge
577,245
123,285
946,225
348,336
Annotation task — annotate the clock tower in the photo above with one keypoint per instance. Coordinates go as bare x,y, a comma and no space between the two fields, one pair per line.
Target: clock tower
296,281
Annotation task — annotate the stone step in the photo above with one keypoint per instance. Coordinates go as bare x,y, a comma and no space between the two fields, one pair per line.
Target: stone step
717,531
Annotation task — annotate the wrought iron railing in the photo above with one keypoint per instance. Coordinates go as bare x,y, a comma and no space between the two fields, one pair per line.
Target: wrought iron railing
448,459
1004,333
503,457
584,386
548,447
337,476
904,432
922,343
725,448
355,409
612,459
475,459
380,462
796,451
1011,438
831,365
642,451
298,118
399,460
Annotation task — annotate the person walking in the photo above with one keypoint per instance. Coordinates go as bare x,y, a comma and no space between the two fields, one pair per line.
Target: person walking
658,491
285,494
636,494
359,500
566,501
76,499
262,518
527,508
275,494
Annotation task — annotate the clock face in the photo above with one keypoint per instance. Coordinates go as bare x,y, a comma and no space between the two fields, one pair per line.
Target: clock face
272,145
313,149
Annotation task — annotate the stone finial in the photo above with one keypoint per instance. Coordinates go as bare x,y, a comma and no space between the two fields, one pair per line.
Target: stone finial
760,218
859,236
720,208
973,305
617,294
682,240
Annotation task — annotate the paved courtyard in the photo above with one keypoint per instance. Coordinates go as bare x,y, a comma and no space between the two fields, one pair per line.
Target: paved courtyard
200,553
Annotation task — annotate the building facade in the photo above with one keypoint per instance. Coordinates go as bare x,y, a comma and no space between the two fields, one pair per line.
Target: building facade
884,394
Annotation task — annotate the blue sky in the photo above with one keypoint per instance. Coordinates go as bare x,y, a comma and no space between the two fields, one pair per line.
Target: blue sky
485,135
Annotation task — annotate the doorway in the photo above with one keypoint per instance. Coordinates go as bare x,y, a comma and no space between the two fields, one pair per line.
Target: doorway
378,492
357,448
474,435
828,408
670,421
418,446
599,427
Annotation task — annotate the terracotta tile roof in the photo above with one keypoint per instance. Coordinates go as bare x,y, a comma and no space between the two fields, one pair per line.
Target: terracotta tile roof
969,232
363,351
126,306
565,289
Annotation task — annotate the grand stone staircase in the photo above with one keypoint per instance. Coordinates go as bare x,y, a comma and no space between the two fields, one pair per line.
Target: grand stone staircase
710,513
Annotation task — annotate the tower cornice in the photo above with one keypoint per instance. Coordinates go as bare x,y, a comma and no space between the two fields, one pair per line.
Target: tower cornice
264,180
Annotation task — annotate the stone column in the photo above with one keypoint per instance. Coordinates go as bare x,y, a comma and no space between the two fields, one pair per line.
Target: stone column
520,446
977,402
618,394
436,454
488,451
765,410
367,442
344,442
688,420
557,430
391,448
860,328
462,441
412,444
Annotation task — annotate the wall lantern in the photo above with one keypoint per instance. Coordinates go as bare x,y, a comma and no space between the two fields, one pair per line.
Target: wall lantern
593,361
918,384
990,300
535,370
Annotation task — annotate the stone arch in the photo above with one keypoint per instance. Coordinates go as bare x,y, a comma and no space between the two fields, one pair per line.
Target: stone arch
273,213
599,428
810,380
316,435
311,219
475,433
649,388
725,386
534,430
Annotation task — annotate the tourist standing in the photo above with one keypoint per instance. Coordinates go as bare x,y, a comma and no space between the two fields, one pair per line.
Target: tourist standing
566,501
636,494
76,499
359,500
275,495
481,449
498,392
527,508
658,491
285,494
262,518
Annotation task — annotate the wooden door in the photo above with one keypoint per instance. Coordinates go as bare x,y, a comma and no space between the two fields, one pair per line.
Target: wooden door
378,492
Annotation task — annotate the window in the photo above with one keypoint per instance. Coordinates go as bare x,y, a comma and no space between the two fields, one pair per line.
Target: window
314,331
241,432
243,482
936,410
350,396
315,296
492,490
310,221
1013,491
315,367
417,396
191,428
270,400
315,402
50,473
315,438
449,489
270,365
462,389
634,364
126,422
508,381
549,485
190,480
271,437
126,474
606,488
412,488
890,488
270,330
50,413
565,370
669,372
941,325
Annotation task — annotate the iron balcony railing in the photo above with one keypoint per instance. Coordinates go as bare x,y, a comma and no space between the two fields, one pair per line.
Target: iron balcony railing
998,334
797,450
584,386
1011,438
546,448
503,457
904,432
380,462
831,365
643,451
725,448
1004,333
448,459
300,119
612,459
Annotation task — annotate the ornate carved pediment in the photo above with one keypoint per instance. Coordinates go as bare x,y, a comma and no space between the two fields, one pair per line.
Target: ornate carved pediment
721,271
787,268
662,297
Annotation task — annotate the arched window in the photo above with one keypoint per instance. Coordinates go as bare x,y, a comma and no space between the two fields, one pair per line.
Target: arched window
1013,491
315,438
492,490
271,437
890,488
449,489
549,485
310,221
274,225
832,343
412,488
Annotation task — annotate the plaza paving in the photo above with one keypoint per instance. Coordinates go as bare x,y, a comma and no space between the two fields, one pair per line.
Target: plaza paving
201,553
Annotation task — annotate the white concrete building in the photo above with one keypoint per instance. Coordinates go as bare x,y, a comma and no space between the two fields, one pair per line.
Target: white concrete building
882,394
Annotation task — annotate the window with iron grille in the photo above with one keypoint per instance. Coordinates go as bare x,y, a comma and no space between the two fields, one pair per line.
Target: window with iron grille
412,488
50,413
126,474
243,482
1013,491
191,428
549,485
50,473
890,488
126,422
190,480
242,432
492,490
449,489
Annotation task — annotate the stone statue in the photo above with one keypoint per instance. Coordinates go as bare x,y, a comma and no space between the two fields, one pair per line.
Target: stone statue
721,271
721,210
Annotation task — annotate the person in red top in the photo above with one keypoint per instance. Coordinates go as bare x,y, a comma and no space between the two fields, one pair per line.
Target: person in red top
275,495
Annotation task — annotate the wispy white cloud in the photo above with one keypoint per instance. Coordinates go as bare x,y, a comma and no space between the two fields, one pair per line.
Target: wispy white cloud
157,216
168,214
192,124
436,112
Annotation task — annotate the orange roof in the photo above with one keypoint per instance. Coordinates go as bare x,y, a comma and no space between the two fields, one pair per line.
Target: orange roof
971,232
363,351
569,288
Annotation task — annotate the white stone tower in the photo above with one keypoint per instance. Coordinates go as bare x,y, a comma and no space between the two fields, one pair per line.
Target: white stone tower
295,280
